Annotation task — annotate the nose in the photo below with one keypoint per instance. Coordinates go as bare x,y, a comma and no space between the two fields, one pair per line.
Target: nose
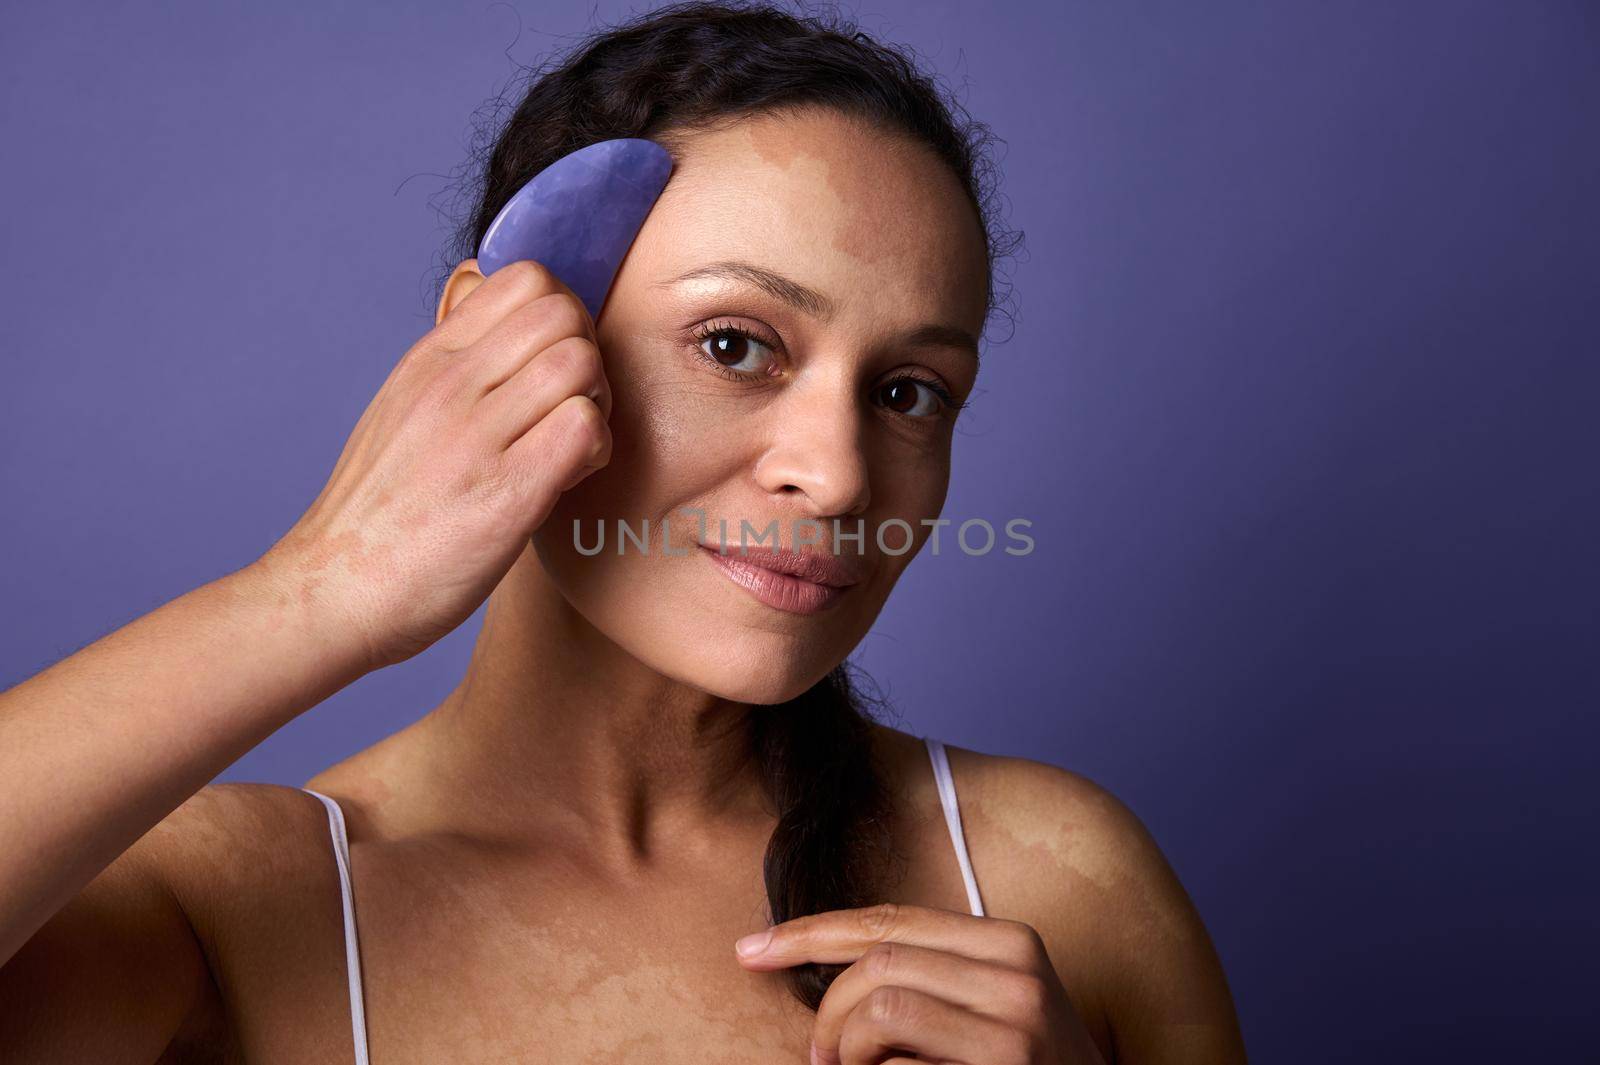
814,454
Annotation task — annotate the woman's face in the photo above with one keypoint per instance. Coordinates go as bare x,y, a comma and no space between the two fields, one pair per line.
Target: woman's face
825,413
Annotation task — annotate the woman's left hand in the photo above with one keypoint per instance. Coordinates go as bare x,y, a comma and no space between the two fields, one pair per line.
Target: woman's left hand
945,986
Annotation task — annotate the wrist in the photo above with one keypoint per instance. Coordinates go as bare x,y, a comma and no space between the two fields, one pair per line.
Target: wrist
298,603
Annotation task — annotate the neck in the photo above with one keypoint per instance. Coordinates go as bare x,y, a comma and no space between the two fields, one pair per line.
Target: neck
555,731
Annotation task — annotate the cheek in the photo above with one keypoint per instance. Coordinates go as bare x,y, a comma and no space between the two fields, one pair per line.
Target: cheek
917,495
678,426
673,441
911,487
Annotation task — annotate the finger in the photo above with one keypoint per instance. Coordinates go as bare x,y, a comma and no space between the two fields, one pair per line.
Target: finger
996,991
842,936
571,367
561,448
495,297
897,1020
519,337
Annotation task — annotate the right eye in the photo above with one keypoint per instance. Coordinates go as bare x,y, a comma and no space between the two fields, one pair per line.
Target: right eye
735,351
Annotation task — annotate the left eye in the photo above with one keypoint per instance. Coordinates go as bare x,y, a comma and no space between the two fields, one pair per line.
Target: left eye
911,397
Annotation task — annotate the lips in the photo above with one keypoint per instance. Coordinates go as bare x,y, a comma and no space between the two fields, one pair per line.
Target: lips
797,582
818,568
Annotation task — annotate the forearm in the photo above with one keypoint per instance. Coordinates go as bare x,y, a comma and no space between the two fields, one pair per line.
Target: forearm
100,747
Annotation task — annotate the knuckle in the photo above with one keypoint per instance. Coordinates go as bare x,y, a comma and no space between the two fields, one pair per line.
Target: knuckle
1026,945
554,367
879,960
577,370
529,275
561,313
450,371
879,920
1028,993
427,348
587,431
889,1006
575,362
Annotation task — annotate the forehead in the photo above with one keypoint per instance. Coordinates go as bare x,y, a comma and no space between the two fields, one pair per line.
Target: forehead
875,221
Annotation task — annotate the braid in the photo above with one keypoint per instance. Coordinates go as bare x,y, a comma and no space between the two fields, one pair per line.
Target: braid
831,846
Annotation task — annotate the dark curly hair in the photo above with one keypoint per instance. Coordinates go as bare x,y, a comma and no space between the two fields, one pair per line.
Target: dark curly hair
666,74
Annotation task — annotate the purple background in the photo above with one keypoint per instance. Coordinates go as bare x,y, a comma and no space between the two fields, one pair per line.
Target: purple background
1300,399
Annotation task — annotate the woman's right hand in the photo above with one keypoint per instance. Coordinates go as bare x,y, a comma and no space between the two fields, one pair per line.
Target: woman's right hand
461,455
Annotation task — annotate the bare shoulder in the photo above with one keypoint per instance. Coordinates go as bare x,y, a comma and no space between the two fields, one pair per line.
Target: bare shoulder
233,845
1060,852
216,823
146,955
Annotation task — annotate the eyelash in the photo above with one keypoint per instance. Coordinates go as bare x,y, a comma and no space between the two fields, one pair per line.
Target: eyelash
710,331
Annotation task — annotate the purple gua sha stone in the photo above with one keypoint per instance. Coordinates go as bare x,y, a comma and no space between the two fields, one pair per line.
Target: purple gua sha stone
579,215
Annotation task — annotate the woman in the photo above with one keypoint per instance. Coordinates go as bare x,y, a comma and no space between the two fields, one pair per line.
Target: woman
654,752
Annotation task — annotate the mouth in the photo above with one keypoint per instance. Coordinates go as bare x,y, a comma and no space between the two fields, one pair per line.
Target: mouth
800,583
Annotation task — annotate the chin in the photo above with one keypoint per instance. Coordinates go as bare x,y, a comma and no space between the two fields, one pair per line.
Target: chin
730,662
760,677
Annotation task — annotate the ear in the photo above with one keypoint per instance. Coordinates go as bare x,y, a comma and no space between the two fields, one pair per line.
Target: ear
462,281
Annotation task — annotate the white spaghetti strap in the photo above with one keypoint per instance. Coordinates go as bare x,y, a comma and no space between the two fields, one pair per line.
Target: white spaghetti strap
352,952
952,817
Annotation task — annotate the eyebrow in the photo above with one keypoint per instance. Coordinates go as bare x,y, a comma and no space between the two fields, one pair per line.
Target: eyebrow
814,303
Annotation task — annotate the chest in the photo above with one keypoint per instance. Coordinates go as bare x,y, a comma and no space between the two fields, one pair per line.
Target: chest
524,961
548,971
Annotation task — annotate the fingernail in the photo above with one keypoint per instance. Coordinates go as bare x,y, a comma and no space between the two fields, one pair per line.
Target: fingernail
754,943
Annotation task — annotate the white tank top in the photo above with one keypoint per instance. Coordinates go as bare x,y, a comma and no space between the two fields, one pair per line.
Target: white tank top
352,953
